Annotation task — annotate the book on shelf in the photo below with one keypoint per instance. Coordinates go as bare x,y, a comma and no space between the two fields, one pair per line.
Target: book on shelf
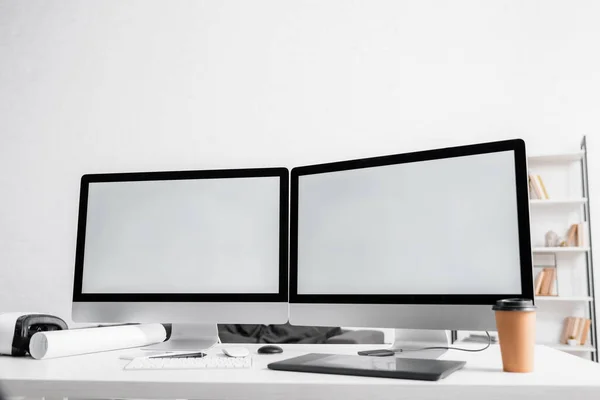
581,234
586,331
534,191
568,324
576,235
537,189
538,282
577,328
544,283
572,236
581,328
552,279
541,183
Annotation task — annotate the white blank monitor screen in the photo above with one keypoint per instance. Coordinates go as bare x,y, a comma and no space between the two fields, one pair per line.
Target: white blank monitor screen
183,236
444,226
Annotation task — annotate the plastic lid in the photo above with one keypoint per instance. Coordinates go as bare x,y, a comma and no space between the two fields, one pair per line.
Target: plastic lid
514,305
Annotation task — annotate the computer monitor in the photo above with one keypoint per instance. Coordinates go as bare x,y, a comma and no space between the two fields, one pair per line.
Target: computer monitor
187,247
425,240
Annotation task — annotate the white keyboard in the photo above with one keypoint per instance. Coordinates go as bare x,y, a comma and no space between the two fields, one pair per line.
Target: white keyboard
206,362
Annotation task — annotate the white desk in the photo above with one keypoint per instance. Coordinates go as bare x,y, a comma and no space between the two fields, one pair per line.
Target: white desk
557,376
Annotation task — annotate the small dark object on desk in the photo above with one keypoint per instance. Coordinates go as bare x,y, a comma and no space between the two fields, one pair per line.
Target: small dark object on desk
16,330
270,349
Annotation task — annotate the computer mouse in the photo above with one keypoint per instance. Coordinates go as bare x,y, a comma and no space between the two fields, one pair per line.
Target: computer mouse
270,349
237,352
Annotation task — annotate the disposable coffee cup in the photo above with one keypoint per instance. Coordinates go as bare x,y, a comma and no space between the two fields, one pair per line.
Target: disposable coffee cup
515,321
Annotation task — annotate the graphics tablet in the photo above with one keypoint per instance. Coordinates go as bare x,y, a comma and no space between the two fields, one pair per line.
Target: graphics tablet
383,367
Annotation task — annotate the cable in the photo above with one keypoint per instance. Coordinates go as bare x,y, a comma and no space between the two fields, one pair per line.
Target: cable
392,351
489,343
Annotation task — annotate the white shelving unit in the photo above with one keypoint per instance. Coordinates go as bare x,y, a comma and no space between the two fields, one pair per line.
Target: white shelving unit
574,298
556,158
558,203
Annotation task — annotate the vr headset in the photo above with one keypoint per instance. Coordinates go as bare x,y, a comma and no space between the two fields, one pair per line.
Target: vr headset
16,330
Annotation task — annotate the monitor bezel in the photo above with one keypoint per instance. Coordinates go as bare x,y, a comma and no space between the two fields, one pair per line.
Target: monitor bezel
522,198
280,296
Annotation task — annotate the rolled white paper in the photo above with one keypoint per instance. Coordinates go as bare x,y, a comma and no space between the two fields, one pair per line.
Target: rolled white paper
93,340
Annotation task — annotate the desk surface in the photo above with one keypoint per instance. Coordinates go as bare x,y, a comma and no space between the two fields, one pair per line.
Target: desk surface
557,376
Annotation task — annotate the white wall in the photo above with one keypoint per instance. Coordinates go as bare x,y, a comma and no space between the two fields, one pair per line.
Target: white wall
149,85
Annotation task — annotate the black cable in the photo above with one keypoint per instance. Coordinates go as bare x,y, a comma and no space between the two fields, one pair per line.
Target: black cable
489,343
391,352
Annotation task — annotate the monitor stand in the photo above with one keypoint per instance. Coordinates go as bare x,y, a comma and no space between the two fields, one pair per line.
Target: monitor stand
411,340
189,337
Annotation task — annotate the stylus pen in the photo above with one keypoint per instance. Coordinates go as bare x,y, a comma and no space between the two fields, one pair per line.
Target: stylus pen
182,355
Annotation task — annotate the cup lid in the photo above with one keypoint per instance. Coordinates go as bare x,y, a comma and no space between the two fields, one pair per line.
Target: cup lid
514,305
